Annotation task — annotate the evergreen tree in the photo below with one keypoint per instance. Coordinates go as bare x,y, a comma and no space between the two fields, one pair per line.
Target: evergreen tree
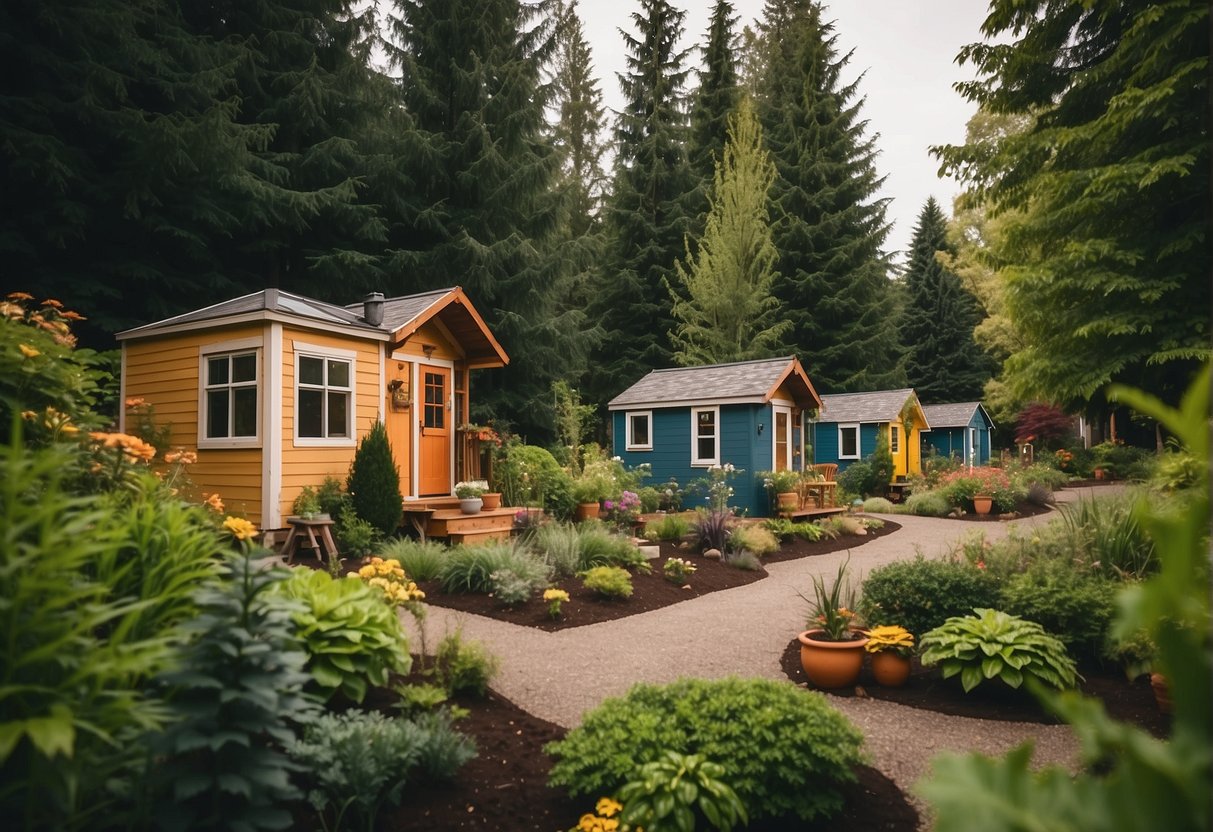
1106,262
943,362
728,313
483,176
374,482
646,214
716,97
829,227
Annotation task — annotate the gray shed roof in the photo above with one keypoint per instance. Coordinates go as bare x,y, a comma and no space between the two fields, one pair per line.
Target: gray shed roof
399,311
739,383
878,406
955,415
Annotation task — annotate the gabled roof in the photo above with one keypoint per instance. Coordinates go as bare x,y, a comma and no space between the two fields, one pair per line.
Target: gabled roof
741,382
878,406
403,316
955,415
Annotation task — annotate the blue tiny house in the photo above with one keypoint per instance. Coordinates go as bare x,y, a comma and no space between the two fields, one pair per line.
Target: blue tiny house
961,430
684,420
849,425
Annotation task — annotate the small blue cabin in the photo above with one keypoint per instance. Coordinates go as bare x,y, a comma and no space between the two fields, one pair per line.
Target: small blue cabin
960,430
851,423
685,420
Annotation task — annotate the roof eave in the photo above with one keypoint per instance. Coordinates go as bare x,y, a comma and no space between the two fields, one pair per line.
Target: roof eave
159,329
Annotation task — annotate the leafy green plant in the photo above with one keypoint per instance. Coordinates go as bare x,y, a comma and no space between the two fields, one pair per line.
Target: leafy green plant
511,587
1075,604
374,482
779,482
608,581
678,569
755,539
471,568
599,546
921,594
464,665
237,697
357,537
928,504
559,545
650,499
669,793
306,504
786,529
776,738
996,645
1110,534
878,505
419,696
421,561
332,497
353,639
832,608
528,475
711,530
670,527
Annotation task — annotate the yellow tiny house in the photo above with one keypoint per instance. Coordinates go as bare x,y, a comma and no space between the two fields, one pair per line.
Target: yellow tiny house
274,390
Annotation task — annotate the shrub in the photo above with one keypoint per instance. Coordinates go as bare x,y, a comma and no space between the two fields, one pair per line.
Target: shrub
711,530
678,569
463,665
360,762
559,546
235,699
608,581
512,587
528,475
1110,535
650,499
841,524
357,537
745,561
352,637
1039,494
878,505
993,644
1077,606
471,568
1041,473
857,478
754,539
921,594
332,497
774,737
928,504
420,561
417,697
374,482
786,529
960,487
675,790
602,547
671,527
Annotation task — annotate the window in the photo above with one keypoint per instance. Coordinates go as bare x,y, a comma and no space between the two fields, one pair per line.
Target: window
434,410
230,397
324,397
848,441
974,448
639,431
705,444
894,439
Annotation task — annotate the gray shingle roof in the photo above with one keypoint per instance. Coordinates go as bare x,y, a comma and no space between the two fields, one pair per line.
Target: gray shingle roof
955,415
740,382
399,311
879,406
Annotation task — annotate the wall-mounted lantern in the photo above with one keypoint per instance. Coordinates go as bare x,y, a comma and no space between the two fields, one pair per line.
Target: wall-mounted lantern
399,390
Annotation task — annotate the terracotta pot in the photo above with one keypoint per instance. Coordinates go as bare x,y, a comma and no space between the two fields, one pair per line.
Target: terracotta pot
1099,473
492,500
1162,694
787,501
830,664
982,503
586,511
890,668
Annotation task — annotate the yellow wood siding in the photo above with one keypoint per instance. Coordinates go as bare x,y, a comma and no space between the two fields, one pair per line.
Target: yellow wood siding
164,372
900,468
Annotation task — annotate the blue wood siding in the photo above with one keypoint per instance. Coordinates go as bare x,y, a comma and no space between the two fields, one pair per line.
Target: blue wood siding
740,444
825,443
951,441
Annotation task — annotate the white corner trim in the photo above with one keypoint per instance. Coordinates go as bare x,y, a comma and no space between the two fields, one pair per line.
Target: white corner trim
271,429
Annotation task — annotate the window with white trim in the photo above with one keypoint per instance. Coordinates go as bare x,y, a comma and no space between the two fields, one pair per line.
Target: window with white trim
894,439
639,430
230,400
324,397
705,436
848,441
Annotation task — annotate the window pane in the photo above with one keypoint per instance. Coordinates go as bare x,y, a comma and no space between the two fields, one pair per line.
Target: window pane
894,439
216,370
309,414
848,442
244,367
311,370
339,373
244,417
338,417
707,448
216,414
707,422
640,430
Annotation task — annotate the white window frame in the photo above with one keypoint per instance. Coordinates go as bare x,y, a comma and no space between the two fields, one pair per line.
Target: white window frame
894,439
238,346
630,443
325,354
848,426
975,447
696,460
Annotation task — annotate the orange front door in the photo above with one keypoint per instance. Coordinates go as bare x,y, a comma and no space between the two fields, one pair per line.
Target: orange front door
434,449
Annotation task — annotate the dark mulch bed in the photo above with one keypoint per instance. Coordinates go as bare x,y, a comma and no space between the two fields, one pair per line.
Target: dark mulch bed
1024,509
1091,483
1131,702
649,592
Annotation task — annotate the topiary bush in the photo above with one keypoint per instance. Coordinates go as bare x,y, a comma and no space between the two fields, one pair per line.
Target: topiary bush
921,594
996,645
374,482
772,738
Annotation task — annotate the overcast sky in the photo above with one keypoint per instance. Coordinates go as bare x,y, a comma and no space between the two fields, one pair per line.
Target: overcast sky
907,50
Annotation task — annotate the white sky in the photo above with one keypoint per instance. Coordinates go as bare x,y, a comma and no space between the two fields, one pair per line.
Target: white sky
907,48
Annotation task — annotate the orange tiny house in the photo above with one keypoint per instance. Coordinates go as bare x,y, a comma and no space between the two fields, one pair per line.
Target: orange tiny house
274,390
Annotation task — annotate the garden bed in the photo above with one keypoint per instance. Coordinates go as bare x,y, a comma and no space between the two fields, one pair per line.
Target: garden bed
1131,702
1024,509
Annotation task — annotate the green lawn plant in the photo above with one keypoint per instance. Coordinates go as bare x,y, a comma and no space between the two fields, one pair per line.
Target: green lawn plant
1129,779
608,581
996,645
773,739
671,793
353,639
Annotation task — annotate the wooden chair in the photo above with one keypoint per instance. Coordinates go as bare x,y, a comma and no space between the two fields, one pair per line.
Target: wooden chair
828,470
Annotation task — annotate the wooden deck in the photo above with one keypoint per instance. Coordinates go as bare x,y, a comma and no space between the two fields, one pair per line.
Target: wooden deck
441,517
813,513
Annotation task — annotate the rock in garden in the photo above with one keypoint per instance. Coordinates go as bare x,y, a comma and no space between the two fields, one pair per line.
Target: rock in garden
713,554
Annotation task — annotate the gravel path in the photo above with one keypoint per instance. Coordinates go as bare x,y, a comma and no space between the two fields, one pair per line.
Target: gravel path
743,632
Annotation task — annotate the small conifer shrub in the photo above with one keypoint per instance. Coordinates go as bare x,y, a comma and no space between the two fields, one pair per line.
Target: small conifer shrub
374,482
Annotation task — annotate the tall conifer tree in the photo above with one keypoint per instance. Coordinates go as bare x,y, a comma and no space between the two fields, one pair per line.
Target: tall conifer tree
647,212
829,225
943,363
717,95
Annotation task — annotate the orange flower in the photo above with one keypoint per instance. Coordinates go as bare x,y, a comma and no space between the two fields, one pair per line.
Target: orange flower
12,311
28,351
182,456
52,302
214,503
134,402
72,316
19,296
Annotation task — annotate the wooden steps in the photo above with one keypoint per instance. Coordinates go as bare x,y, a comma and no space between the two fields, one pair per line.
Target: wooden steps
437,519
812,513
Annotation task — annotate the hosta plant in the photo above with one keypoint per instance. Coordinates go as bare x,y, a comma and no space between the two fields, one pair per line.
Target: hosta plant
668,794
996,645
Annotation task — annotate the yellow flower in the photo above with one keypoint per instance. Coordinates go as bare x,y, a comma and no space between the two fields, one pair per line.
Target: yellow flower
559,595
608,808
29,415
240,528
28,351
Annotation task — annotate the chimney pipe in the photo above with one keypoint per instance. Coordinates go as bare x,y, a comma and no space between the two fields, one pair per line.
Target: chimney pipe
372,308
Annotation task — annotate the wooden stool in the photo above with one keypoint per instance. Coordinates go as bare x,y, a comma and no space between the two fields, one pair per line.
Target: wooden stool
314,534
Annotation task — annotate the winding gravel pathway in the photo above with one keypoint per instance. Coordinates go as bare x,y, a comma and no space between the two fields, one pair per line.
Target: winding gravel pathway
743,632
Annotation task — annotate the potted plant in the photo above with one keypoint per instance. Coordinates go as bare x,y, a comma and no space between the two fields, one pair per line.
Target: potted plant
782,484
595,484
307,504
832,649
491,500
982,503
890,647
469,494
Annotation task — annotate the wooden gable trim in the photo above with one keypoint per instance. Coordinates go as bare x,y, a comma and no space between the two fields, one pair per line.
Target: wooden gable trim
457,297
793,368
